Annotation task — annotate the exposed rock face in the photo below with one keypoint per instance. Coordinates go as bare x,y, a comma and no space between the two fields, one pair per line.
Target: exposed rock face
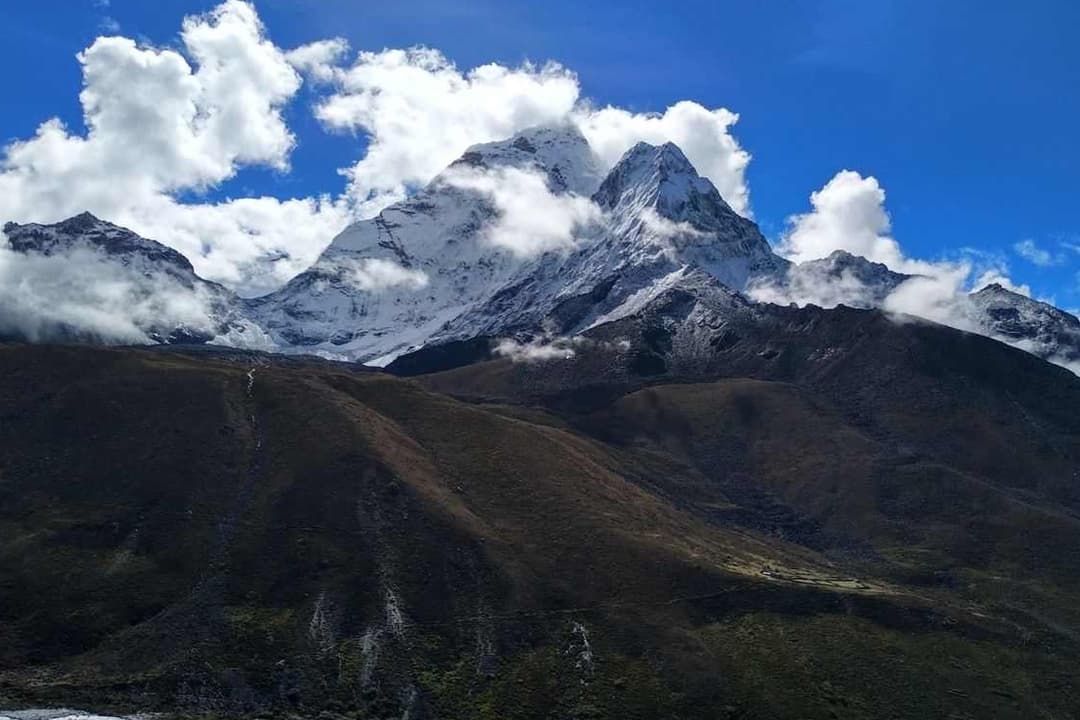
1036,326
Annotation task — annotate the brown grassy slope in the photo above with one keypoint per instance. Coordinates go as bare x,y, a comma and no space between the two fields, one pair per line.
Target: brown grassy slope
355,542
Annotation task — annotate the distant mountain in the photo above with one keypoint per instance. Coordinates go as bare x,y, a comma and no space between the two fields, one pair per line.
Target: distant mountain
846,279
119,244
842,278
1036,326
660,217
150,285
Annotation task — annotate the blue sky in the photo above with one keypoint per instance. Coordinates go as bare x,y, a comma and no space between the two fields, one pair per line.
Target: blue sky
966,112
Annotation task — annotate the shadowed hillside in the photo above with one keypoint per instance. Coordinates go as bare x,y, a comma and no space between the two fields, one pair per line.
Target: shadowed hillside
236,534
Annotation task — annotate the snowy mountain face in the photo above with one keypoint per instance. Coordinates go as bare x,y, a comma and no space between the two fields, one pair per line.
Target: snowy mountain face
428,269
425,270
116,243
663,211
86,279
663,220
387,285
1036,326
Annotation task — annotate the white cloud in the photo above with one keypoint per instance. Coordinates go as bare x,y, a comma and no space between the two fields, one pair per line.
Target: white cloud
848,214
319,59
666,229
420,112
378,274
1030,251
161,123
83,294
166,124
941,297
536,351
531,220
816,285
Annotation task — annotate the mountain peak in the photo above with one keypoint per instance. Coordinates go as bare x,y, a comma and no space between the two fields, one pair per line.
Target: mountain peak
995,289
83,221
559,150
668,157
87,230
661,177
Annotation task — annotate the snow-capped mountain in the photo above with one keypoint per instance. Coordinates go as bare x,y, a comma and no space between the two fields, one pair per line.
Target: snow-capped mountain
663,212
425,271
88,279
388,284
1038,327
661,220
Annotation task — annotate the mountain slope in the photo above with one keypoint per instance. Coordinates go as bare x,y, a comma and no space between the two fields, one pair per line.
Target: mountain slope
237,534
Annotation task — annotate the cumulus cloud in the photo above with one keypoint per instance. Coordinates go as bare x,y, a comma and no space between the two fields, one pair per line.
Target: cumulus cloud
848,214
165,125
163,122
420,112
319,59
703,135
530,218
